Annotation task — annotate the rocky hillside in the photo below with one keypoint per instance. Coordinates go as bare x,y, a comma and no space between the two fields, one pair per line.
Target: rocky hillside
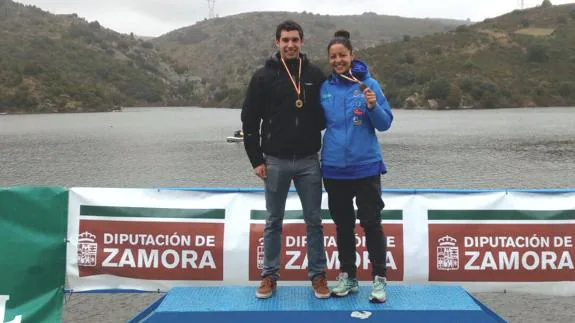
224,52
63,63
523,58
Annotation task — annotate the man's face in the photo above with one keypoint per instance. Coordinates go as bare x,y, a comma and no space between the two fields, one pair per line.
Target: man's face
289,44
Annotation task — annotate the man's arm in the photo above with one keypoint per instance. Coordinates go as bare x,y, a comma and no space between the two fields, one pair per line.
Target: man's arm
252,114
320,115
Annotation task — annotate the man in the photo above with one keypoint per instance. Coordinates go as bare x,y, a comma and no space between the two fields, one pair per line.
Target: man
282,101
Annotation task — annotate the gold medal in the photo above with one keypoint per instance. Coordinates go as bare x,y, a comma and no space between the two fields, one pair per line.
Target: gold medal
297,87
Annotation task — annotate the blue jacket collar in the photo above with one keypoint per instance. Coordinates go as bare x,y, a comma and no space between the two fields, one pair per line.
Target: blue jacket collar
358,68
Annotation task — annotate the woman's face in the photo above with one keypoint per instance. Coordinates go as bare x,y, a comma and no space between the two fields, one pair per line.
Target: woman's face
340,58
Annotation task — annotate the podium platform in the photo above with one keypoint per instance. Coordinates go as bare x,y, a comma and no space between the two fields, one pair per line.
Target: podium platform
406,303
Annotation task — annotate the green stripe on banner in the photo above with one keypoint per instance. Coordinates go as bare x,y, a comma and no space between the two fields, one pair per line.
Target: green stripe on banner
325,215
33,224
501,215
148,212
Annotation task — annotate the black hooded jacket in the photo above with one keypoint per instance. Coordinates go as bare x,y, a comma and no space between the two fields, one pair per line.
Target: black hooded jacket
271,122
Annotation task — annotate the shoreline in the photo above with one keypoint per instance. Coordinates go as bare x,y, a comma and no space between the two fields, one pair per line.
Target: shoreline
124,109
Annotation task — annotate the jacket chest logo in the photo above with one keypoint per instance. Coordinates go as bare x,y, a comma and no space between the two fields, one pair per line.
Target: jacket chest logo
357,117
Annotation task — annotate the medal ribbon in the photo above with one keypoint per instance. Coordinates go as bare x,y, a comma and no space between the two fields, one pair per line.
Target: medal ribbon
298,86
352,78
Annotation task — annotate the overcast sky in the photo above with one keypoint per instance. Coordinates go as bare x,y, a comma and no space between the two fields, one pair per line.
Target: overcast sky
156,17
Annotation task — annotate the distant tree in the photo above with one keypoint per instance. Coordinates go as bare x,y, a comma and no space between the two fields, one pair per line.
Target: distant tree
221,95
525,22
147,44
95,25
546,4
489,100
11,78
409,58
423,76
572,14
181,69
405,75
453,99
124,45
461,28
438,89
436,50
406,38
32,68
466,84
537,53
566,89
79,30
469,65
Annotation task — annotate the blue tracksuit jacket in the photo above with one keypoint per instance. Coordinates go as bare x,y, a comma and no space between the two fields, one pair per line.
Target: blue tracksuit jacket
350,138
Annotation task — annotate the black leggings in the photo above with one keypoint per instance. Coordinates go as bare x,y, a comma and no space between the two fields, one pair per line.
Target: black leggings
367,192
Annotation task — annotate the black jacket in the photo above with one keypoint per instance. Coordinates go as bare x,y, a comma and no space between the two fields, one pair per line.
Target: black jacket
271,122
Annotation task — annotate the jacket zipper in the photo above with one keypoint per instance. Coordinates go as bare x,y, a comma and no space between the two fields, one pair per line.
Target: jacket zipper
346,130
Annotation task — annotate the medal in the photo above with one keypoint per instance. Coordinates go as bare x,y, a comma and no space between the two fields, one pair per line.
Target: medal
298,103
297,87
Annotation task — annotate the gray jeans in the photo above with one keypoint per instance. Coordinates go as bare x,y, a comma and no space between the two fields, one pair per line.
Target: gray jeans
306,175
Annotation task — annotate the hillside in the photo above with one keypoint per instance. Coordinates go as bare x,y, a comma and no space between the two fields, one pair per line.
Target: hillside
225,51
523,58
62,63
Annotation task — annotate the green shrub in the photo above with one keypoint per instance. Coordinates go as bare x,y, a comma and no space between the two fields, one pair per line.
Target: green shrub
566,89
438,89
454,97
537,53
462,29
525,22
466,84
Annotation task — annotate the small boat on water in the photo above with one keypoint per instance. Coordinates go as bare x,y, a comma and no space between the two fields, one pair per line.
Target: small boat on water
237,137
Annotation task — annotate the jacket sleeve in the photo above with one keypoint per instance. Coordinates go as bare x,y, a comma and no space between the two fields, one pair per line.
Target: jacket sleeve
320,115
252,114
381,116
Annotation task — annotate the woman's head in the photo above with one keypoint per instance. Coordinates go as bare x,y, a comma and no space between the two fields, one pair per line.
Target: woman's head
340,52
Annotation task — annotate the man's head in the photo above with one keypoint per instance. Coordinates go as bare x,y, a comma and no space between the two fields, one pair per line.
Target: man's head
289,39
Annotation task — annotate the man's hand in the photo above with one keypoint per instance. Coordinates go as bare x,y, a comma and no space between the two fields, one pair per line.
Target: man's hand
261,171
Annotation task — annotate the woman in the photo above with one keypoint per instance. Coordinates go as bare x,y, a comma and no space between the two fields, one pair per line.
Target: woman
354,107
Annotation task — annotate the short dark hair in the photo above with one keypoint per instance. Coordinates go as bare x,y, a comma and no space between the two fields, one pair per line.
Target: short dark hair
341,37
288,25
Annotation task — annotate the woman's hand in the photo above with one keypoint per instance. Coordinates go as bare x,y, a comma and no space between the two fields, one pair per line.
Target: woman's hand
370,98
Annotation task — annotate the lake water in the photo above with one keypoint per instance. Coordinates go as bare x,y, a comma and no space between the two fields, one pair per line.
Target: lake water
186,147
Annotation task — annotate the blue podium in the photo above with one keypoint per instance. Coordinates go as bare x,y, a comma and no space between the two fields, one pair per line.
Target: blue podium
406,303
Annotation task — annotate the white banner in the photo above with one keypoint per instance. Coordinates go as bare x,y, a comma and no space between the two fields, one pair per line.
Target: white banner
150,239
